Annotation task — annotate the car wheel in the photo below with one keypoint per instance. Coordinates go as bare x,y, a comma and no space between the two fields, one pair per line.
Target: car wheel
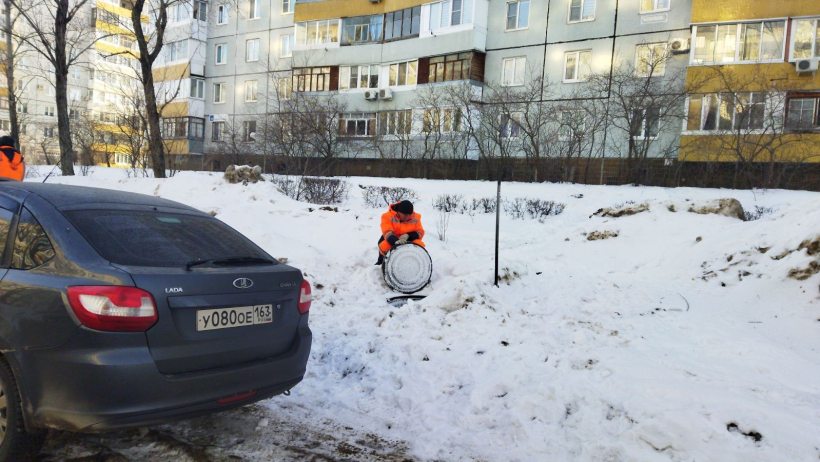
15,442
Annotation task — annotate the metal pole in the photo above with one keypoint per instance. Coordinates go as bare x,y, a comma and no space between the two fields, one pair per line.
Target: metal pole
497,225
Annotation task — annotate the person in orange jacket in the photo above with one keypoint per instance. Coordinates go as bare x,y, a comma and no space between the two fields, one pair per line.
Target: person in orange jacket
12,165
400,225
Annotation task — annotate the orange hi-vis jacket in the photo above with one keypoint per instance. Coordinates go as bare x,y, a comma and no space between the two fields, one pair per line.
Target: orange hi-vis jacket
11,164
392,226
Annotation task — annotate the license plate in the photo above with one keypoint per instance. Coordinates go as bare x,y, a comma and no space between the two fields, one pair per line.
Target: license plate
223,318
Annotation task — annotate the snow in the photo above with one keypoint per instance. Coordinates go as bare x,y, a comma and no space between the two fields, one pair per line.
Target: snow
646,345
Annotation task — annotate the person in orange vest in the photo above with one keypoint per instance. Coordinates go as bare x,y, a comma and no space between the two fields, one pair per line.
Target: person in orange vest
400,225
12,165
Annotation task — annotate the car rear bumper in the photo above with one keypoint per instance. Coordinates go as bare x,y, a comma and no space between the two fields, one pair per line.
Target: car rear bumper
101,381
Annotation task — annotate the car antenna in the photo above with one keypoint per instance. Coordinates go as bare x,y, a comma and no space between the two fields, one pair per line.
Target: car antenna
52,171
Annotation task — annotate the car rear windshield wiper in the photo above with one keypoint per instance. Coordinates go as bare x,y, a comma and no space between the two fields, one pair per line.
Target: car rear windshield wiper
230,261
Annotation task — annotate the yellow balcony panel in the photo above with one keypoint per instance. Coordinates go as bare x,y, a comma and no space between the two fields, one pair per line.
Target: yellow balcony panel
175,72
176,147
329,9
114,29
115,49
119,11
797,148
750,77
4,92
111,148
737,10
177,109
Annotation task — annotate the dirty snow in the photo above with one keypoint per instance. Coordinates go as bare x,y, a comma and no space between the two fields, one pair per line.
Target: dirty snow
679,339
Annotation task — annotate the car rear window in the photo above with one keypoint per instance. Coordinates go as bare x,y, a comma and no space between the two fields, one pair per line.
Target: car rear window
134,238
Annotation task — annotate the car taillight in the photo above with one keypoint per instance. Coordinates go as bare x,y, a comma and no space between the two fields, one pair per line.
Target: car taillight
304,297
113,308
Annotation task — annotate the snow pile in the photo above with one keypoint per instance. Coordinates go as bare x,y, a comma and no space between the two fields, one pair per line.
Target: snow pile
654,345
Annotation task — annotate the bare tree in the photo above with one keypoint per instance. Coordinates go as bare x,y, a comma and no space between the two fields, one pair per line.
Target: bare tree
59,30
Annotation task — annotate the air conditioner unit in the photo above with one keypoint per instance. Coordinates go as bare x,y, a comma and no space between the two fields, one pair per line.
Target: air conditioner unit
680,45
386,94
371,95
807,65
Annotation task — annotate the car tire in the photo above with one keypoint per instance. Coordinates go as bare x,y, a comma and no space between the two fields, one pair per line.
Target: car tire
17,443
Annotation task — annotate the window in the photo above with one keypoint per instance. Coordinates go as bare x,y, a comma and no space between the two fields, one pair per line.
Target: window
652,6
201,11
222,14
514,69
176,127
249,131
402,24
32,248
518,15
804,113
22,108
581,10
5,226
75,74
287,6
311,79
572,125
351,77
286,48
254,9
746,42
219,93
362,29
358,124
218,131
179,12
74,94
577,66
650,59
137,238
441,120
510,127
727,111
197,128
251,87
284,89
221,54
403,73
450,67
806,38
48,132
396,122
73,114
252,50
198,88
176,50
21,86
317,32
645,123
49,111
450,13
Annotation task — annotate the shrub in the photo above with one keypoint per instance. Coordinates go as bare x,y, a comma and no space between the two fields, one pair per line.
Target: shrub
481,205
321,191
758,213
540,210
383,196
449,203
516,208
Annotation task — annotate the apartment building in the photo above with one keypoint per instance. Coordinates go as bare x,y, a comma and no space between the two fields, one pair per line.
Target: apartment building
765,104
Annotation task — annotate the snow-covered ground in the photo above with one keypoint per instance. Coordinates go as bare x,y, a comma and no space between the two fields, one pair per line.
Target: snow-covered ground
681,338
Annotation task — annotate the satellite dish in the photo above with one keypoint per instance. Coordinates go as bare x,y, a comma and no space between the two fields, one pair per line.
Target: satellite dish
407,268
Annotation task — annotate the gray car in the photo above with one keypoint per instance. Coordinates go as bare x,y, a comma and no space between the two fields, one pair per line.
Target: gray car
121,310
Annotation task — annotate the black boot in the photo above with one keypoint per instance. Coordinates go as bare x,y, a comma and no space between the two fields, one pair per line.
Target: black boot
380,260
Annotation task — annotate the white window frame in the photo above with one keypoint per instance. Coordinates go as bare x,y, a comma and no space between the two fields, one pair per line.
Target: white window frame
704,110
518,26
407,73
49,111
254,10
515,81
219,90
655,5
253,95
428,19
642,136
246,133
201,13
344,80
738,37
815,38
326,23
400,120
286,44
222,14
287,6
221,131
252,50
198,88
651,47
581,19
284,88
577,54
220,54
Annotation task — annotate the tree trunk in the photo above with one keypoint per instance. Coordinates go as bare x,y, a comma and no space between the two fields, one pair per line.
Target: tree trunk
15,127
61,87
156,149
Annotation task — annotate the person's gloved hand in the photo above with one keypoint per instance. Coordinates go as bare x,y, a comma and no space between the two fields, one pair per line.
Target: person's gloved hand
403,239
